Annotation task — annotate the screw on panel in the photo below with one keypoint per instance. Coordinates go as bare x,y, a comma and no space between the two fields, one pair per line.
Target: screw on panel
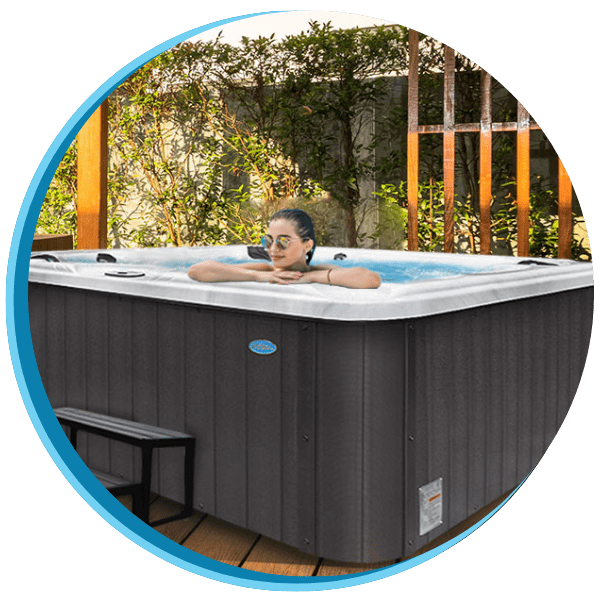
306,541
411,438
306,437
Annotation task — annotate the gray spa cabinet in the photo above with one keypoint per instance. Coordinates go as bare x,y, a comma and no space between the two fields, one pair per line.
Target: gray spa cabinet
356,439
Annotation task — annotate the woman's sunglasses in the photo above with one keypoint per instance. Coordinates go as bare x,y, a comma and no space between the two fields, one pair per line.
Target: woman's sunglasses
283,241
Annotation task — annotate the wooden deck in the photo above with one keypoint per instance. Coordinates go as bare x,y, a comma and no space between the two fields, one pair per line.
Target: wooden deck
242,548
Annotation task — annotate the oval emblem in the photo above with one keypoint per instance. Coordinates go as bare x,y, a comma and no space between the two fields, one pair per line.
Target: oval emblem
262,347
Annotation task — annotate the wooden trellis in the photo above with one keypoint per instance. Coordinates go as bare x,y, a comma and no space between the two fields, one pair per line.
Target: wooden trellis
449,129
92,166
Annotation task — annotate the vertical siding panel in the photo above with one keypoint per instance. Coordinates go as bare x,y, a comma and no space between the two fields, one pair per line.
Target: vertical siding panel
291,434
565,364
526,416
171,394
480,391
510,399
120,385
585,307
494,413
538,377
231,418
38,324
304,441
433,392
339,437
200,401
55,346
574,344
551,367
441,379
413,440
577,348
145,372
462,393
77,348
264,429
551,342
96,325
420,411
383,486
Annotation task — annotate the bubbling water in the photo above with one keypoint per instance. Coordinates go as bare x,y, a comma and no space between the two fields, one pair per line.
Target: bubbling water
391,271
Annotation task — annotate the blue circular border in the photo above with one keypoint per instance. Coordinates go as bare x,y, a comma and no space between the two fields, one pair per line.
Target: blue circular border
42,415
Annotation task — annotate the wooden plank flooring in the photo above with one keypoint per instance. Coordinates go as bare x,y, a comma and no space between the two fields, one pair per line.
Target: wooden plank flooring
242,548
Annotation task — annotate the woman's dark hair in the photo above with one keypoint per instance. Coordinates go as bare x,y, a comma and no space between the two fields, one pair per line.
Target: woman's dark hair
303,224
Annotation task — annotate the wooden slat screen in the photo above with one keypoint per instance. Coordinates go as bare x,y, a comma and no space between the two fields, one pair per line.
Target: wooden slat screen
523,126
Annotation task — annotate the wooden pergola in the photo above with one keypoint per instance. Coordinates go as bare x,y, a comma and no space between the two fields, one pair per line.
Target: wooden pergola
92,166
92,183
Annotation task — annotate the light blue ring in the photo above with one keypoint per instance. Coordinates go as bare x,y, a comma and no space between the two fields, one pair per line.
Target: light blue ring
42,416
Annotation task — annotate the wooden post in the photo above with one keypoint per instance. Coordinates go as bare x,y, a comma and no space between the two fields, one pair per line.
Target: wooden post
485,165
565,208
522,181
92,166
413,140
449,150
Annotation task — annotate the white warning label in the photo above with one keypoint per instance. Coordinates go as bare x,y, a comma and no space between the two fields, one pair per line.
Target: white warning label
430,506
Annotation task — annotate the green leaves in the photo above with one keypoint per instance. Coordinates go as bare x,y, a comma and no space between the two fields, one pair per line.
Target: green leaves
543,219
208,139
59,210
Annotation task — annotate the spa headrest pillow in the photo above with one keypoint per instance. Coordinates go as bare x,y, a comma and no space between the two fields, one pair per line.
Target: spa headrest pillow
258,252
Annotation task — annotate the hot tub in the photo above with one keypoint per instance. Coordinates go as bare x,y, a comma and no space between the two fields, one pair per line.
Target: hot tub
357,425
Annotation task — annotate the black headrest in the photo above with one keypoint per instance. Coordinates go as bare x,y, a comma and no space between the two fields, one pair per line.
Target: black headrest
258,252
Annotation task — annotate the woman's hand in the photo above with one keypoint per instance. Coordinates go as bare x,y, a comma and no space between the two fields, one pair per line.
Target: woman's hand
280,277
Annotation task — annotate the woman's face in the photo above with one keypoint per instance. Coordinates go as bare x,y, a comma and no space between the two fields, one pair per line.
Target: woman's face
294,256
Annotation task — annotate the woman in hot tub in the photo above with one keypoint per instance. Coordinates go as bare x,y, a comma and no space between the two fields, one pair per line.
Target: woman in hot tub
291,244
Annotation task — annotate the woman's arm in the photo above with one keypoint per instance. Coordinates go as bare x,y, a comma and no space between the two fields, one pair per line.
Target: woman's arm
350,277
214,271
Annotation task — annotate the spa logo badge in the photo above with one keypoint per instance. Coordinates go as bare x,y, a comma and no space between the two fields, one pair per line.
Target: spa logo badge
263,347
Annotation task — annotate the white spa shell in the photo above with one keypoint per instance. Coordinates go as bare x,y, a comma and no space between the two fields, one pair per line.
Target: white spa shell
148,277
